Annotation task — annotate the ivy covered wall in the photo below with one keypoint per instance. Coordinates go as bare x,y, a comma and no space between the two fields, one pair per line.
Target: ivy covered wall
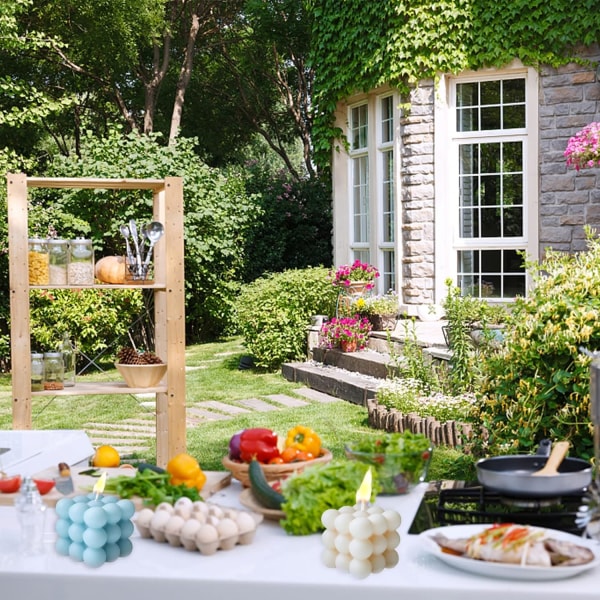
360,45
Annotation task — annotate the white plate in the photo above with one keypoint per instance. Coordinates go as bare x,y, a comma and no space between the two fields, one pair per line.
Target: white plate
502,570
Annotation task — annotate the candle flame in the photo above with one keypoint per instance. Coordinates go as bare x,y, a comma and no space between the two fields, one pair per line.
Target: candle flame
363,495
99,485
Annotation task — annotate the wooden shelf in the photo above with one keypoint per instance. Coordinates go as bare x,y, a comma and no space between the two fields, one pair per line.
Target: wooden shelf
169,304
101,286
101,388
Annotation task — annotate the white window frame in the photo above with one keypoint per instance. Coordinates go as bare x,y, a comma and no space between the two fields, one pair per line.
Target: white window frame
447,239
375,250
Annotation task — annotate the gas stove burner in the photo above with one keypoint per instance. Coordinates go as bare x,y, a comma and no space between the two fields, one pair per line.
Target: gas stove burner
529,502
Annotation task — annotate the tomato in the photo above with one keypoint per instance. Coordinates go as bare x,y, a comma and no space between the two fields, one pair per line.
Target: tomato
9,485
44,485
290,454
303,456
276,460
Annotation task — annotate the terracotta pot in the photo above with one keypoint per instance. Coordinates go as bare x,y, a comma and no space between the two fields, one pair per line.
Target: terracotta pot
348,345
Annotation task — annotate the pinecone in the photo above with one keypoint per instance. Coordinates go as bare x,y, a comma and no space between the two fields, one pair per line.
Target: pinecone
130,356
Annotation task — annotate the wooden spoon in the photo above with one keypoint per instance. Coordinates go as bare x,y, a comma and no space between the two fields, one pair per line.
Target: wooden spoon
554,460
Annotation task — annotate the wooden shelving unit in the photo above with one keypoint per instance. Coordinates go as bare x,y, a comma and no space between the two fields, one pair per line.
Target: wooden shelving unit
169,305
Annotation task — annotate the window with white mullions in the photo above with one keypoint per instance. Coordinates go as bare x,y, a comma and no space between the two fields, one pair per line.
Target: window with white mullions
491,138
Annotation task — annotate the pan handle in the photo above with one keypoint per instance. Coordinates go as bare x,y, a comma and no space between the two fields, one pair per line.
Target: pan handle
544,448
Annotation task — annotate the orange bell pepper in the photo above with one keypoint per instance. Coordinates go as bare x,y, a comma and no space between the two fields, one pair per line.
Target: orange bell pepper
185,469
304,439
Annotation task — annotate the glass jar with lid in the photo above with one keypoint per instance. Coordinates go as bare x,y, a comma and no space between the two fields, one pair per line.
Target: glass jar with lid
37,371
54,371
81,262
38,262
58,255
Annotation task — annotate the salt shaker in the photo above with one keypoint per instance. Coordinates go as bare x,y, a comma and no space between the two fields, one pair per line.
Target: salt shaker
31,514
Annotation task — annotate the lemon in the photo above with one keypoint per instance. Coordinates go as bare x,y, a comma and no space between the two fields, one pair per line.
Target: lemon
106,456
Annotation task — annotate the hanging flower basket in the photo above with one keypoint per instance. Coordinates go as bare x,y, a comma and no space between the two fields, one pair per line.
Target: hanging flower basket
357,274
344,330
583,149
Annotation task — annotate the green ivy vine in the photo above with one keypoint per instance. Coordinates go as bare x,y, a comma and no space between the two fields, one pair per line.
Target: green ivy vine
358,46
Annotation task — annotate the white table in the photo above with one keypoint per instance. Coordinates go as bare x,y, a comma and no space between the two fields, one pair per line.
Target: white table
276,566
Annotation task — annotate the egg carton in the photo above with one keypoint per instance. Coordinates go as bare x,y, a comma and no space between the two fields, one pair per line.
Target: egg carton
197,526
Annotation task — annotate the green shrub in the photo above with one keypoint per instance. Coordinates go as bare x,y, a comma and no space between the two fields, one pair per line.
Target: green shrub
94,318
274,311
537,386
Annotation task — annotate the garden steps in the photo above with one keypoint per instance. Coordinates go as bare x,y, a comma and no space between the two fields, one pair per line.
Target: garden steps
355,376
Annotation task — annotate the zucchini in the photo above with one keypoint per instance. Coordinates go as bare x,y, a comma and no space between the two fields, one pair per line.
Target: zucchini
264,494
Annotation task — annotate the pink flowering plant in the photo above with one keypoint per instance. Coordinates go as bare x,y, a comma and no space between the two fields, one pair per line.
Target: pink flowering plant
357,271
583,149
340,329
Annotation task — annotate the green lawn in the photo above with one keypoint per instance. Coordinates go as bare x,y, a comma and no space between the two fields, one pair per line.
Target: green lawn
213,374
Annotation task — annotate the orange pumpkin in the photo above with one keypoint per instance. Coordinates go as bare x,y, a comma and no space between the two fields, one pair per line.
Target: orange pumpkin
111,269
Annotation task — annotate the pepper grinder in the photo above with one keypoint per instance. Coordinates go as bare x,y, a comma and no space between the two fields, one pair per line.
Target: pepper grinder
31,514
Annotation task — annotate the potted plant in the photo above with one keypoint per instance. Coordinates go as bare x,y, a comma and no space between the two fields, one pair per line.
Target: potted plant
583,149
348,333
381,310
355,278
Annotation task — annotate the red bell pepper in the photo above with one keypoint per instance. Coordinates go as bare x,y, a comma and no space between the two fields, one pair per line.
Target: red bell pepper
259,443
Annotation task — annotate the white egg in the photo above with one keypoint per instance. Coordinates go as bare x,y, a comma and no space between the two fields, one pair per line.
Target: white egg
144,517
391,558
190,529
166,507
377,563
184,511
361,528
342,543
393,539
342,522
328,557
245,522
393,518
212,520
200,506
230,513
159,519
379,524
174,524
199,516
227,528
207,534
328,538
216,511
360,549
183,501
359,568
328,518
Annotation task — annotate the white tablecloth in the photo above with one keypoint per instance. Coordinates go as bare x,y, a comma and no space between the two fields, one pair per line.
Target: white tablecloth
276,566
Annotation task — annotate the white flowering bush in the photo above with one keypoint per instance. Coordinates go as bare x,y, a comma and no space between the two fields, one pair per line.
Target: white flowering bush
412,396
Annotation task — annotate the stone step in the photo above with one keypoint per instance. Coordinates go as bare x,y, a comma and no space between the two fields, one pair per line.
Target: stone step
365,362
332,380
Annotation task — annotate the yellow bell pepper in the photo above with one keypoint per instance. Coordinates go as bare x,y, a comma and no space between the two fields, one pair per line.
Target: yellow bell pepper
185,469
304,439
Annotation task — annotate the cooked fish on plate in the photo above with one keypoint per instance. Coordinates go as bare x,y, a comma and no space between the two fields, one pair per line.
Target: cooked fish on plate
511,550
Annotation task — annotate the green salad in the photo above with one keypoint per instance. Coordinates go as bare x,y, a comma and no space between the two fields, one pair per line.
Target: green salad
399,459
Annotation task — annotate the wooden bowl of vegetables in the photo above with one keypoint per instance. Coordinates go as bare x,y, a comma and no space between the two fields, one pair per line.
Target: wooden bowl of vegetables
279,457
273,472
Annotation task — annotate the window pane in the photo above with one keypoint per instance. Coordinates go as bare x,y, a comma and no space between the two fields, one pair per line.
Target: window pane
359,127
490,92
513,90
467,119
467,94
514,117
468,191
388,196
468,159
387,119
490,223
512,157
469,223
490,158
490,190
513,222
389,271
491,273
360,193
490,118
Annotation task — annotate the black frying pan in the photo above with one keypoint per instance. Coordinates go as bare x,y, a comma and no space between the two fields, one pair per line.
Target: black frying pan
511,475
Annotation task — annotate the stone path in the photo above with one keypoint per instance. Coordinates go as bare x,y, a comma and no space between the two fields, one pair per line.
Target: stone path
133,436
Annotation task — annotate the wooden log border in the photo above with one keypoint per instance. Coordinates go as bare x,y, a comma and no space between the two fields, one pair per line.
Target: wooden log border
449,433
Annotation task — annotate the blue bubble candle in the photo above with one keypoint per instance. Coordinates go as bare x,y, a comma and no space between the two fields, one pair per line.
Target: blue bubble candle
93,528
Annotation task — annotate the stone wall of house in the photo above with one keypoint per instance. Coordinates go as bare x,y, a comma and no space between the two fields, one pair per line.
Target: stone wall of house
569,100
417,197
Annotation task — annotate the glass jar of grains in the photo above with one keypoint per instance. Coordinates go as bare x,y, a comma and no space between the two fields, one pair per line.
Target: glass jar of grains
81,262
58,254
53,371
38,262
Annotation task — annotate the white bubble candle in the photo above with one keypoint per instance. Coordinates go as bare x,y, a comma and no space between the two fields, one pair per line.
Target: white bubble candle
360,539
